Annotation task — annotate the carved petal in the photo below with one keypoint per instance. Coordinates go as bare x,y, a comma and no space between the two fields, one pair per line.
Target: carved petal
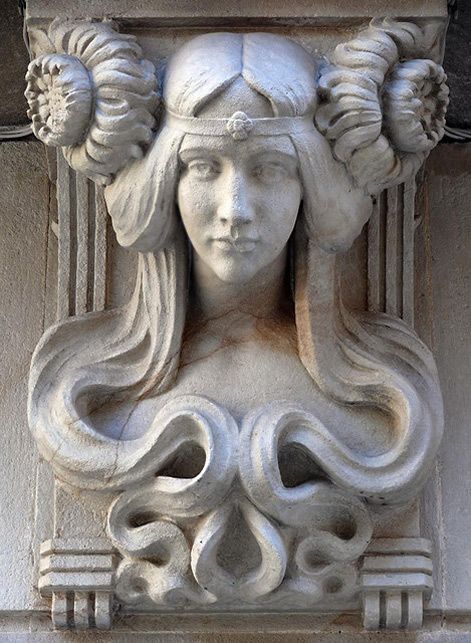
208,573
102,135
382,130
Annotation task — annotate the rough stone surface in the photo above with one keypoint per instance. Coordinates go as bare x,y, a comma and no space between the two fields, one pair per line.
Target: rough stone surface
24,205
457,63
449,192
15,58
296,629
245,10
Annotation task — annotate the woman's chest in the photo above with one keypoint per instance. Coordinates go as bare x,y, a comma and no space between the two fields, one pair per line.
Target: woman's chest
245,375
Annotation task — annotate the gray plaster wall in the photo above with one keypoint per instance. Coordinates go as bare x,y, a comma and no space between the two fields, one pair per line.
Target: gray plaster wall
27,259
447,224
24,208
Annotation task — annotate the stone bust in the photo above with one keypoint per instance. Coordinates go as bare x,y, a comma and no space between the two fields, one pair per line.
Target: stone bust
225,188
234,393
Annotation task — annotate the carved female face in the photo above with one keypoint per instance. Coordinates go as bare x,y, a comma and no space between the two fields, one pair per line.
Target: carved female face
238,199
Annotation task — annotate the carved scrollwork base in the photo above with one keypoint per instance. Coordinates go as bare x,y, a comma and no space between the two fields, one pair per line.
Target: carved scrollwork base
78,574
396,576
172,533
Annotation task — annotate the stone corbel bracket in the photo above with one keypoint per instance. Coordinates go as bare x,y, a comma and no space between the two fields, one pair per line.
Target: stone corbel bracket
78,574
395,577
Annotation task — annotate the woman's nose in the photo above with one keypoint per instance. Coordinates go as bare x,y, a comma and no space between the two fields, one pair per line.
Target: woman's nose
235,208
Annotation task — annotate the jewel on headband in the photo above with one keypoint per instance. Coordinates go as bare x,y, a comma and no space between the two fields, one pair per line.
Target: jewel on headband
239,126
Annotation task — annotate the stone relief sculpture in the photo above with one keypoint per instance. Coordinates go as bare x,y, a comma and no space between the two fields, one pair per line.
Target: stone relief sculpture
253,431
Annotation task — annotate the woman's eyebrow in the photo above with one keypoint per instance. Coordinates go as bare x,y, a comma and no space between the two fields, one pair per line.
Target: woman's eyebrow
195,151
284,154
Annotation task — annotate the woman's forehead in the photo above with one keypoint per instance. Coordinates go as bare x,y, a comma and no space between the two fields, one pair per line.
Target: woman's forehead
230,147
238,95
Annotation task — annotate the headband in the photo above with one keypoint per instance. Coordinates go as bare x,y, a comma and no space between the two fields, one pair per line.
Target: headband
239,125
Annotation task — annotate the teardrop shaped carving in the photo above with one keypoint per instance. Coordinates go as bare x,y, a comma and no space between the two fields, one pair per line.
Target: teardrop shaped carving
257,582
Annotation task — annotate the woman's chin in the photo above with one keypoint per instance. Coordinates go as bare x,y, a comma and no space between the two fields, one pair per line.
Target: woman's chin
233,272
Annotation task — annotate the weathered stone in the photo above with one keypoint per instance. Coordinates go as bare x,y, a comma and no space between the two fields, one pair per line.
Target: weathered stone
24,204
458,66
15,58
230,133
229,439
448,184
13,106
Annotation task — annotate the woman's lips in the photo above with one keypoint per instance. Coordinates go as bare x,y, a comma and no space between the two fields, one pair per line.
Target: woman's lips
241,244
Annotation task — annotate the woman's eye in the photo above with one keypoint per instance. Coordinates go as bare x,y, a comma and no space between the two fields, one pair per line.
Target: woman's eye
203,169
270,172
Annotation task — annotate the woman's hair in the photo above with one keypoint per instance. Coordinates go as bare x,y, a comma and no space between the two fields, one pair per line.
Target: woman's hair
93,95
377,363
141,201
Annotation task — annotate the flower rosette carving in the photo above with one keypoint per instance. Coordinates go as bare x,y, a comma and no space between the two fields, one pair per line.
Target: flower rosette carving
382,109
94,95
239,126
60,96
415,99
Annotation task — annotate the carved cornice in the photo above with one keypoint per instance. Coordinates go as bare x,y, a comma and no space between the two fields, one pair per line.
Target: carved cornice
171,13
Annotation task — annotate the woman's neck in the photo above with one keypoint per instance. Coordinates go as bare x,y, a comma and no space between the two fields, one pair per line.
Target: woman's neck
264,296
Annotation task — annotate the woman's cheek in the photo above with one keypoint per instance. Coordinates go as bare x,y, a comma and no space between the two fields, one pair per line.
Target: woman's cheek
189,201
195,210
284,210
198,194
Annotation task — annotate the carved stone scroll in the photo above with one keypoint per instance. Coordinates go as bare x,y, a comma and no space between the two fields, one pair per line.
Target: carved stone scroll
396,575
248,435
79,577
